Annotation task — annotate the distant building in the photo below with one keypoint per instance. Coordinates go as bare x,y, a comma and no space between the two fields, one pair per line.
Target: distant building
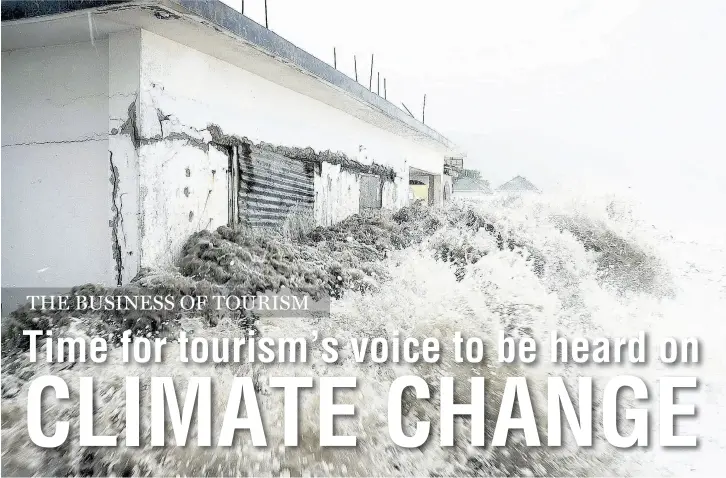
471,187
518,184
457,163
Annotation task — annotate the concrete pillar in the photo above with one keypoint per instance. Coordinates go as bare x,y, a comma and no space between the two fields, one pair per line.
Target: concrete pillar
448,188
436,184
124,63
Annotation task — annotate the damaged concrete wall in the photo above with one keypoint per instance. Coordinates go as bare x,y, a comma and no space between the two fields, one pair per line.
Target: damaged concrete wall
110,163
395,193
183,190
124,53
337,194
192,90
55,166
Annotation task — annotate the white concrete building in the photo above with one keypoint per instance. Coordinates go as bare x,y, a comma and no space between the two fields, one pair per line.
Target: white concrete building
129,125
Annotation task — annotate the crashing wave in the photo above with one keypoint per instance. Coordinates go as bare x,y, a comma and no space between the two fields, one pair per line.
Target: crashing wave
526,265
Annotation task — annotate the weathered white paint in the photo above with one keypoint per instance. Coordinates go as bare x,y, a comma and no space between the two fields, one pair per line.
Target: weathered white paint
195,90
183,190
395,194
337,194
198,89
55,167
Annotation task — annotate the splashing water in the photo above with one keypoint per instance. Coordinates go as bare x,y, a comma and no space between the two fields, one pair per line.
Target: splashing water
585,267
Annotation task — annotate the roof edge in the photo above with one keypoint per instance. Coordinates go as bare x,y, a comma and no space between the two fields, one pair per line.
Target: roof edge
223,16
13,10
235,22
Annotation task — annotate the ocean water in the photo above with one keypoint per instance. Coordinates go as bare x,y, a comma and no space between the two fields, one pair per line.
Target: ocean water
582,266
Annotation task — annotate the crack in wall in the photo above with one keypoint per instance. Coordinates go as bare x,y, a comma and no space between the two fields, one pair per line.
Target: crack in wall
305,154
161,117
98,137
204,209
117,222
143,191
177,136
202,139
130,127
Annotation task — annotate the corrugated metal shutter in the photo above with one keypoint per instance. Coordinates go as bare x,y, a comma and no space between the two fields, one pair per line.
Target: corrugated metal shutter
371,192
271,186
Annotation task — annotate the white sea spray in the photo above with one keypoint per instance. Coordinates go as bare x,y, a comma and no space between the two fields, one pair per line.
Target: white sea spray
543,279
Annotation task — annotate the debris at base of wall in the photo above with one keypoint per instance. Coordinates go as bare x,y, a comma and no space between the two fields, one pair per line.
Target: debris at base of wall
326,262
322,263
111,323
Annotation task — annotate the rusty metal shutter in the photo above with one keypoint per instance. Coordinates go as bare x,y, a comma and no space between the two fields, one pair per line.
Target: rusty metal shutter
272,186
371,192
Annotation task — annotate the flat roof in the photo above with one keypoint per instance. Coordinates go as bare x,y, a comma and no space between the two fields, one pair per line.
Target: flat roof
224,20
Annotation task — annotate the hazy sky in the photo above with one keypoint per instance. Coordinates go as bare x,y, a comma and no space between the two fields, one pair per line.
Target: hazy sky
596,94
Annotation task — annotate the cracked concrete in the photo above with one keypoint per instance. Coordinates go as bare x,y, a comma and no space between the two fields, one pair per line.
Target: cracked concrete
129,127
214,134
117,222
170,140
162,117
184,182
307,154
99,137
178,136
158,128
180,194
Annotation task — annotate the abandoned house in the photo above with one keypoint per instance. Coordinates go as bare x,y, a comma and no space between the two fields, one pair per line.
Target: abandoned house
129,125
